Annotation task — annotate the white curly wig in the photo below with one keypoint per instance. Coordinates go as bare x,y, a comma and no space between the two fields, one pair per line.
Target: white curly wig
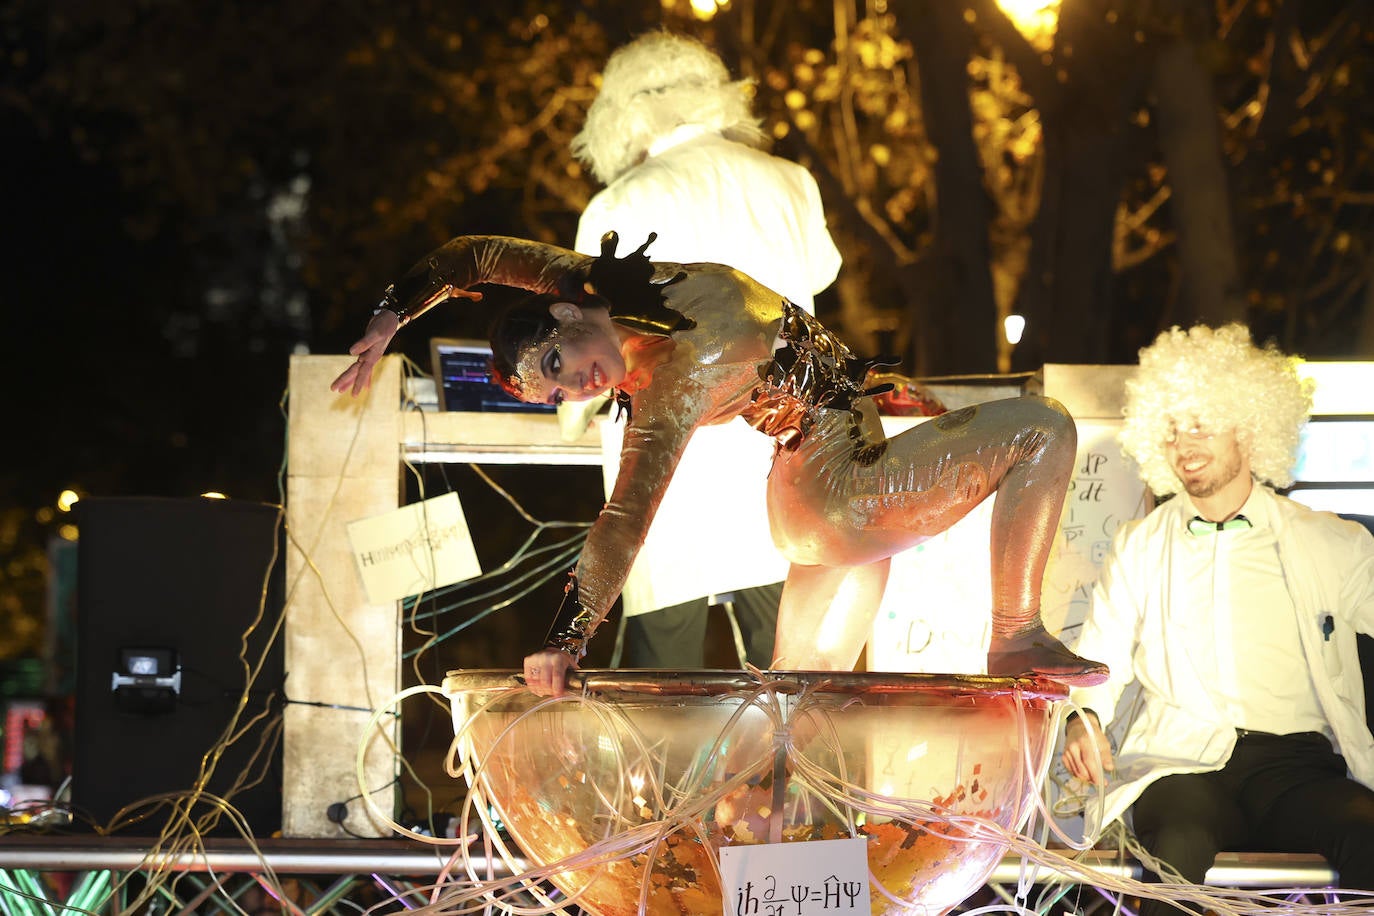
1217,379
653,85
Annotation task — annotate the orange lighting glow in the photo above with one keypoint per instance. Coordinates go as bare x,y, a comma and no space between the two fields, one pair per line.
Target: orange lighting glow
1036,20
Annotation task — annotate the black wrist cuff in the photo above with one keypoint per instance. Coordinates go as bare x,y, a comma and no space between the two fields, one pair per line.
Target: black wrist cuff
573,626
390,303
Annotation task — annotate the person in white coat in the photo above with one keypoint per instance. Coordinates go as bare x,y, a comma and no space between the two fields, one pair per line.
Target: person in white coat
672,137
1236,609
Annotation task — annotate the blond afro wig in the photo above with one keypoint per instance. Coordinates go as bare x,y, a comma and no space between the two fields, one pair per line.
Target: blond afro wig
1215,379
650,87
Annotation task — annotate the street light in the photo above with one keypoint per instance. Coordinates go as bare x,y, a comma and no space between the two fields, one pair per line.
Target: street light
1013,326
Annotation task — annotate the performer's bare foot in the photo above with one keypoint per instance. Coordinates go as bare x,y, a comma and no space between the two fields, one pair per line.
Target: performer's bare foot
1036,653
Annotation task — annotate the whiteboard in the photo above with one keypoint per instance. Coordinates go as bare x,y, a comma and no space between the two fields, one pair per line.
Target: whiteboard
1106,491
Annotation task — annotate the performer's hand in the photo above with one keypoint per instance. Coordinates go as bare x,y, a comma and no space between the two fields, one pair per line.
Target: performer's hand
1087,752
369,349
546,672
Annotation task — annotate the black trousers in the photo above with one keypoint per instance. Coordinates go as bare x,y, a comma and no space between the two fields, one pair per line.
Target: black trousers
675,637
1277,793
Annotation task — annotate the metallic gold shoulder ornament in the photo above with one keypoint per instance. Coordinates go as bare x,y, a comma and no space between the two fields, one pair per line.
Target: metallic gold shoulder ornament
624,407
813,369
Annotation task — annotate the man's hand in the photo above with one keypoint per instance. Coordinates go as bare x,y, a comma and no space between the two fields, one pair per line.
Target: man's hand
546,672
1087,753
369,349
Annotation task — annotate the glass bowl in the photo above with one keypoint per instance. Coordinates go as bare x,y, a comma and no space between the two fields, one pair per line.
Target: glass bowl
623,792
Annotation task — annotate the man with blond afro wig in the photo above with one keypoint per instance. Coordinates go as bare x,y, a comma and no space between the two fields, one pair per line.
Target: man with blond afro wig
1236,610
672,137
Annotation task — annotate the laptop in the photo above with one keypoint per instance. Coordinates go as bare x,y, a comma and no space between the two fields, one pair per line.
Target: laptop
462,379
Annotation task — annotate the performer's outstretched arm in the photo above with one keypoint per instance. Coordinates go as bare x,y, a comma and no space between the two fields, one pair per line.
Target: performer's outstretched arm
449,272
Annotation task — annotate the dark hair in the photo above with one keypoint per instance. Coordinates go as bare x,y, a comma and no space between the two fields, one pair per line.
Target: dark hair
520,324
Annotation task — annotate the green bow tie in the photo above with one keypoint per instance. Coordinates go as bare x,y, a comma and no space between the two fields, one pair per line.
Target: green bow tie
1197,525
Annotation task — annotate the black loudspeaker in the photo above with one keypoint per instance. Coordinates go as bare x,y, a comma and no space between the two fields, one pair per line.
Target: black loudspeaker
166,591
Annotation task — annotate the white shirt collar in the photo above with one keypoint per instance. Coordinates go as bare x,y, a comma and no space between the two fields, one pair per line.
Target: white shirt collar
1257,507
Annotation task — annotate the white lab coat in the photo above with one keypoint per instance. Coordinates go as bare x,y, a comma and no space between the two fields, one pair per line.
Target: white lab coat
1140,625
713,200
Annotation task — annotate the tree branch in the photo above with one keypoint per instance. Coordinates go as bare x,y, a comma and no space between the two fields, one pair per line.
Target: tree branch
1038,78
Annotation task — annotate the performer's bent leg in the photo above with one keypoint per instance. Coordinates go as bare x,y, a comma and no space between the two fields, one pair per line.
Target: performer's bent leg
1024,448
1185,820
826,615
839,502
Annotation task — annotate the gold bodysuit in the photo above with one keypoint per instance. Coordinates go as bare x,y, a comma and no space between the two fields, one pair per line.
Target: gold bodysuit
842,498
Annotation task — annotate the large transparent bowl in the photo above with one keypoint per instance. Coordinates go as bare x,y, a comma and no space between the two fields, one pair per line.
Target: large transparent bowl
631,784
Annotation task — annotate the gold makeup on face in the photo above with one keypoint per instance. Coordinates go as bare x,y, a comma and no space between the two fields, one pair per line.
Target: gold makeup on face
531,365
563,361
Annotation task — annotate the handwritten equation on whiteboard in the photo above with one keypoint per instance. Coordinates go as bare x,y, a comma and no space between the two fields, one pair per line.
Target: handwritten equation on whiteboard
1106,491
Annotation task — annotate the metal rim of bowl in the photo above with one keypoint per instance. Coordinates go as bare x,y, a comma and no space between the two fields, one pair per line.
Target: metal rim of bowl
716,682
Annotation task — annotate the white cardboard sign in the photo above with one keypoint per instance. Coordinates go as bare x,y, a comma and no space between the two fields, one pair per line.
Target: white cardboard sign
413,549
813,878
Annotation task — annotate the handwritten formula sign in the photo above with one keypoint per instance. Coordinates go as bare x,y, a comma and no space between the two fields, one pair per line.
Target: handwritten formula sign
1105,492
413,549
815,878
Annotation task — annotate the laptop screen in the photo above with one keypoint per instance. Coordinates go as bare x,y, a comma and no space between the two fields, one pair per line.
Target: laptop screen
462,375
